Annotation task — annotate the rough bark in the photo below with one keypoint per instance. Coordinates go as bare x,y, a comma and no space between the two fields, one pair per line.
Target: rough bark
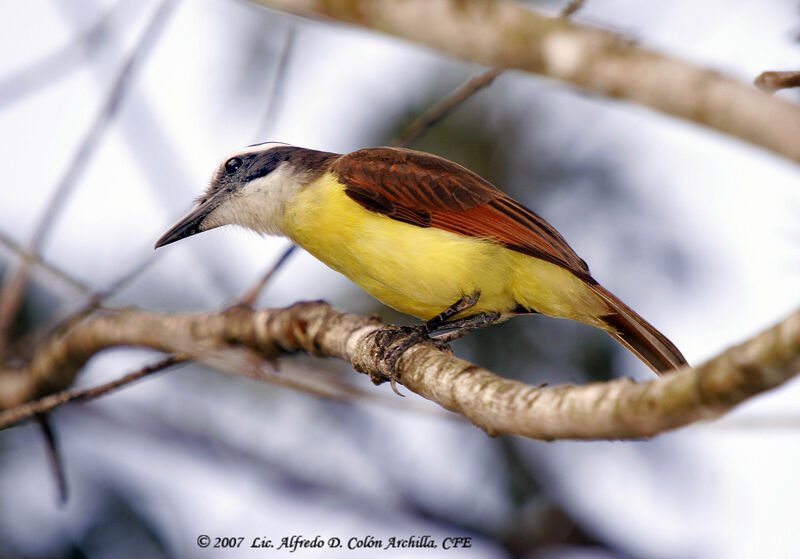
610,410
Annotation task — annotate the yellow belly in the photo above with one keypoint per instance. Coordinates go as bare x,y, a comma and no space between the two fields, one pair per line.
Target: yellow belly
421,271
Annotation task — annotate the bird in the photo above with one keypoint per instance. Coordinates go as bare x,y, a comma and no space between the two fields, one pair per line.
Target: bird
420,233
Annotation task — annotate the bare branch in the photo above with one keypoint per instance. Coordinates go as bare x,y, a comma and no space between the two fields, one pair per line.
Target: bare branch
774,81
13,286
594,59
444,107
572,7
619,408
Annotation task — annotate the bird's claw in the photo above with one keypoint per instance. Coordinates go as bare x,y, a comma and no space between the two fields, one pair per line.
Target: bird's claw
392,342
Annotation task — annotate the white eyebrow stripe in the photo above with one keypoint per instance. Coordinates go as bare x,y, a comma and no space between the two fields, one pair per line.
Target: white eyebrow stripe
258,148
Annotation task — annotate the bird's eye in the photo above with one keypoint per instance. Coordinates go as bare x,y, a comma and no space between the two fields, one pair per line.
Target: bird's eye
232,165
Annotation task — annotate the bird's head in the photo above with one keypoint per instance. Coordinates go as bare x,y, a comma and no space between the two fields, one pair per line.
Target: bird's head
251,188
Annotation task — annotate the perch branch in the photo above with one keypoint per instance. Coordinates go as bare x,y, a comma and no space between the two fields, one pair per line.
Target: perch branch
619,408
505,34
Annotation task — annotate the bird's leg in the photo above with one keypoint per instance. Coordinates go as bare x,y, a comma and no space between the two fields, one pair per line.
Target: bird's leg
463,326
414,334
466,302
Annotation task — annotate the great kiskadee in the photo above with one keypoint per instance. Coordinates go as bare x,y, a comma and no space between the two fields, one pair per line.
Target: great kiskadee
420,233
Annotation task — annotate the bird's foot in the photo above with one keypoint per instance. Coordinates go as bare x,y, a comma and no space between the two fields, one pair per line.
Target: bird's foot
394,341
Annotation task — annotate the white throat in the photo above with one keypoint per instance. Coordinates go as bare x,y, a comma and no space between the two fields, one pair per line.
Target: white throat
259,205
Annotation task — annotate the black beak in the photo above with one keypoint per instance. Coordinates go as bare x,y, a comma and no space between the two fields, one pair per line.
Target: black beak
188,225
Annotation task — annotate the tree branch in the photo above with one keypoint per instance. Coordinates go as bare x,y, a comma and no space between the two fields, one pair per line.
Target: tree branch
505,34
620,408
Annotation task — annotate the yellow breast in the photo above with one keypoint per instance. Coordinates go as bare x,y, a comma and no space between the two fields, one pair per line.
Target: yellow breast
421,271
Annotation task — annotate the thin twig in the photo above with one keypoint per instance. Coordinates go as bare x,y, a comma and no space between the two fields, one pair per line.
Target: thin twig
54,455
249,296
124,280
572,7
13,286
775,81
16,415
65,277
441,109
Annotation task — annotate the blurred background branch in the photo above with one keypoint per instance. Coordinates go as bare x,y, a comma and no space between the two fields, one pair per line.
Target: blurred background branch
13,286
771,82
443,107
596,60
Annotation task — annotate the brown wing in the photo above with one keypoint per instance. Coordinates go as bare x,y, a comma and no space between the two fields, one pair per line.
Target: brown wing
428,191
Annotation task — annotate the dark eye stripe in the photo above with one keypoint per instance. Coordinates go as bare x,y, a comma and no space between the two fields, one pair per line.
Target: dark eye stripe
260,164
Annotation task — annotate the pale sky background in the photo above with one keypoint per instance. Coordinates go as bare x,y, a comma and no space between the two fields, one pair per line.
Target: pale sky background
726,489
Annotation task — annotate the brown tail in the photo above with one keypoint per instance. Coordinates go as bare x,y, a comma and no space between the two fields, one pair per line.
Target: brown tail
639,336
